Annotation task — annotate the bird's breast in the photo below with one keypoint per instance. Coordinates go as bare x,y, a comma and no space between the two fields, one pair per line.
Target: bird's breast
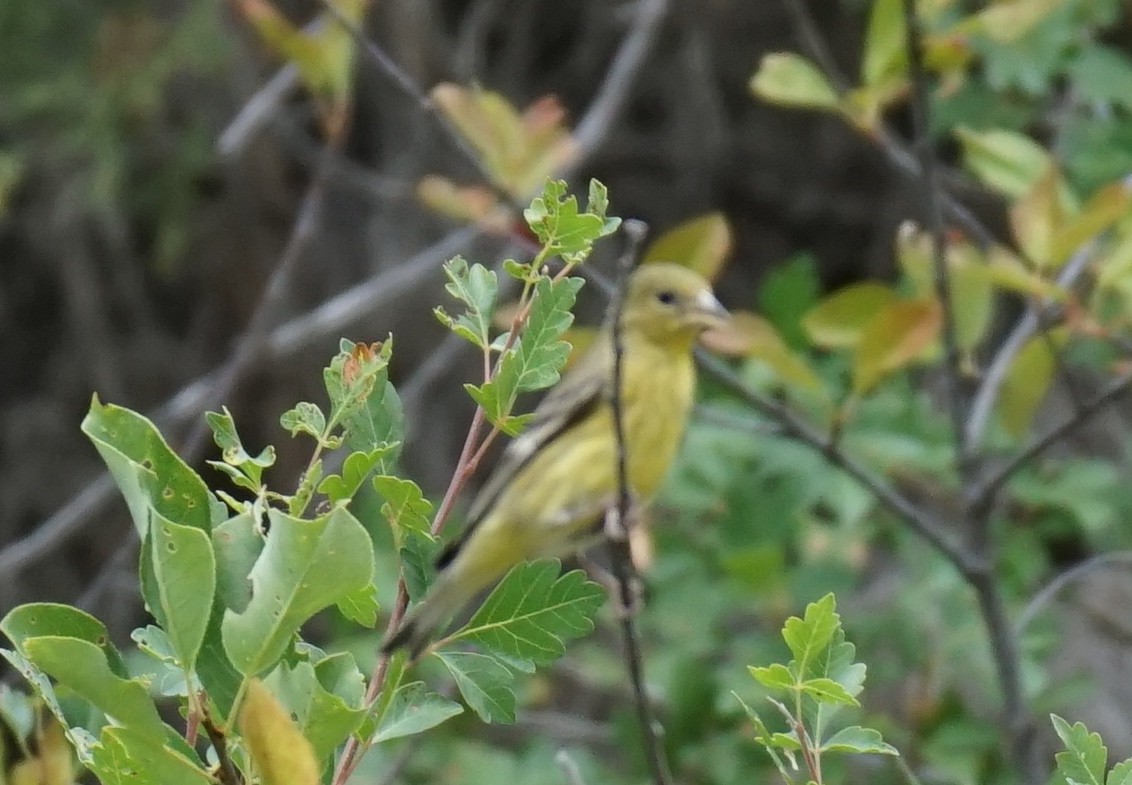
657,393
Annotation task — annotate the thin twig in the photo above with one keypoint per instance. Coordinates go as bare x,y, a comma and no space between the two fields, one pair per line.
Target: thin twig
620,554
228,774
285,340
985,398
1048,592
1040,444
920,521
931,190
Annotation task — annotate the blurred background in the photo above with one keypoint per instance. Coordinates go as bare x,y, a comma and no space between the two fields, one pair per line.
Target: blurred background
155,160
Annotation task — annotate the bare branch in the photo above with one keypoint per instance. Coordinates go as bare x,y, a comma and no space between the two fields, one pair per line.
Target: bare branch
1048,592
985,398
1113,390
617,520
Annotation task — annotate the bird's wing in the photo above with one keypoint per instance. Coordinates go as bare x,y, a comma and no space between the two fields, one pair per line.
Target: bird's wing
575,397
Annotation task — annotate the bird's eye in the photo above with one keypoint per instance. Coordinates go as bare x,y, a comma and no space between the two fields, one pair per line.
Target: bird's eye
666,297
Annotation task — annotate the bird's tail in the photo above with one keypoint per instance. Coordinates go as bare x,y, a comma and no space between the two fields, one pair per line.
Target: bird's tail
445,597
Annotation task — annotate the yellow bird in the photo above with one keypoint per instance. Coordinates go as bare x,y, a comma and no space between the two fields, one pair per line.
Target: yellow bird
554,483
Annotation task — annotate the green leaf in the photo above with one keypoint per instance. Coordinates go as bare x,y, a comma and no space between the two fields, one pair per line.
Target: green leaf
232,449
776,676
83,667
237,544
828,691
360,606
355,469
1102,74
787,293
325,718
1027,382
39,619
788,79
185,581
476,287
352,377
702,244
123,756
537,357
484,683
885,51
305,418
404,506
807,636
1004,160
897,335
533,612
839,320
856,739
1121,774
555,219
1085,756
414,709
147,471
291,582
379,424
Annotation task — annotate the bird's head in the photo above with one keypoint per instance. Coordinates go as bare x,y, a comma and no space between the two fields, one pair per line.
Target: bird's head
670,304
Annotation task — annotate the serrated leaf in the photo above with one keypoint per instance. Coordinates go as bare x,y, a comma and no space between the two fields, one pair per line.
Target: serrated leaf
484,683
561,227
355,469
476,287
185,581
353,376
702,244
856,739
839,320
1004,160
534,611
404,506
324,717
123,756
1085,757
147,471
808,635
1026,383
418,555
304,417
282,755
360,606
1121,774
414,709
791,80
896,336
776,676
290,583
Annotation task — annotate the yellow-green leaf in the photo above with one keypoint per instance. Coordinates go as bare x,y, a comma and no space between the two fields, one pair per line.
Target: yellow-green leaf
1006,271
1006,161
896,336
1008,20
885,55
701,243
915,257
282,755
1026,383
791,80
972,295
749,335
1037,218
1105,208
838,321
473,203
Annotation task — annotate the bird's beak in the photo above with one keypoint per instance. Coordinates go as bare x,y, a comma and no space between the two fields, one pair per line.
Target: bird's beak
709,311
